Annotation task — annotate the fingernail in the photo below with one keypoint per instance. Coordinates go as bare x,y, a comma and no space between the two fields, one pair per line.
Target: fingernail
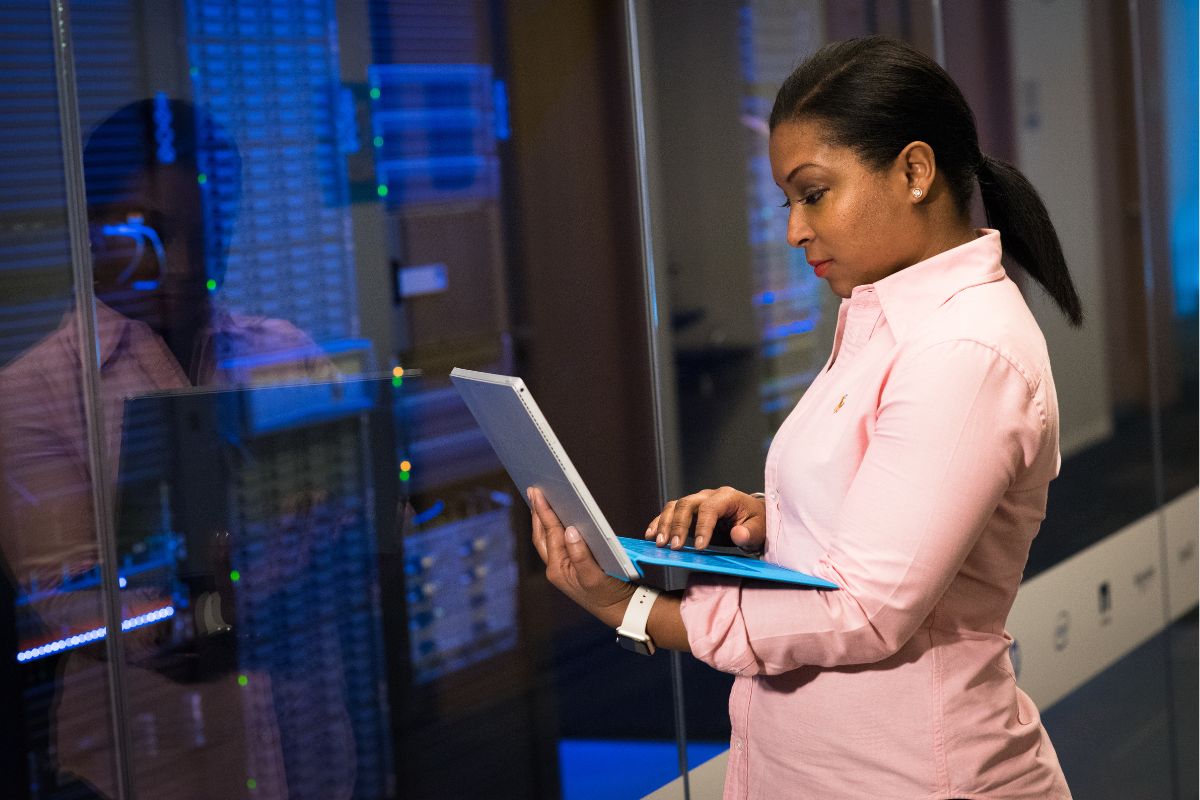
699,542
572,534
674,541
660,539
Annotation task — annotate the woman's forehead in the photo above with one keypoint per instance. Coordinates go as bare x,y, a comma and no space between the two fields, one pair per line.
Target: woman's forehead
801,145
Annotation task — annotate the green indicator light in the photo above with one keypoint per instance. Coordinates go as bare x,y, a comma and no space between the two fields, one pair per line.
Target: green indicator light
404,474
211,284
201,178
382,190
397,382
379,141
374,92
251,783
235,576
243,680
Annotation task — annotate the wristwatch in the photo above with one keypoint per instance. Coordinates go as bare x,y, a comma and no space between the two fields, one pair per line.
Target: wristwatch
632,633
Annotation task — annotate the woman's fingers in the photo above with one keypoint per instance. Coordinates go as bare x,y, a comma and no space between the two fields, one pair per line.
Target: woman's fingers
539,537
571,567
652,528
556,552
723,503
664,524
587,571
543,511
544,519
697,515
706,519
684,516
567,556
681,522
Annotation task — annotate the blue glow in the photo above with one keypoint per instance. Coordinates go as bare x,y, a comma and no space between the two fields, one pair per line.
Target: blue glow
500,104
122,582
1179,101
778,404
459,110
347,122
766,298
164,132
430,513
586,766
134,227
94,635
158,559
787,329
145,286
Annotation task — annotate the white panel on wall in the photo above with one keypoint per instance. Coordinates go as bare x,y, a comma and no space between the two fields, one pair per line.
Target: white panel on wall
1074,620
1183,530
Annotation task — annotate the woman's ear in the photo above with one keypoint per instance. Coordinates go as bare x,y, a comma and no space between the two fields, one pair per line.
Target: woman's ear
917,167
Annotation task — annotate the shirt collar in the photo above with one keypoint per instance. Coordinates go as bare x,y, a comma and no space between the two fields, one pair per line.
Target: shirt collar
910,295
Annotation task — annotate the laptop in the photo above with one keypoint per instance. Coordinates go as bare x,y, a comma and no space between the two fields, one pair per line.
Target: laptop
533,456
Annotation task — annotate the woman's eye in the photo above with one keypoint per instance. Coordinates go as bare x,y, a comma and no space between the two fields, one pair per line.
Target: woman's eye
805,200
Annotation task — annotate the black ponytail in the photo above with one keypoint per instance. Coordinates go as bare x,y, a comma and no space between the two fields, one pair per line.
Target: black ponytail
876,95
1014,207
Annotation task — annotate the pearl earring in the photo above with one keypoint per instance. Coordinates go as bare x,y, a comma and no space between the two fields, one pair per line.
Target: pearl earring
918,192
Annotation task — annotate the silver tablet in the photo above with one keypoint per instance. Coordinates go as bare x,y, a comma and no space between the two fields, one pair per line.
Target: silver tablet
532,455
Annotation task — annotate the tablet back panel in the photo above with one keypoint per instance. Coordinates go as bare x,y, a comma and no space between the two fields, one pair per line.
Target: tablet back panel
532,455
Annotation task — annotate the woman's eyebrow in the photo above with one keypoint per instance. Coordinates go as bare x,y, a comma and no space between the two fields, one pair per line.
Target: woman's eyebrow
796,169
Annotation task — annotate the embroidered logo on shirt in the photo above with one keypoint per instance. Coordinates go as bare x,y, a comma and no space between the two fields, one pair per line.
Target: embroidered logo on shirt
841,403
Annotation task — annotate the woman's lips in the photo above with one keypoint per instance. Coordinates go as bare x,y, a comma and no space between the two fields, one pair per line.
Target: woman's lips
820,267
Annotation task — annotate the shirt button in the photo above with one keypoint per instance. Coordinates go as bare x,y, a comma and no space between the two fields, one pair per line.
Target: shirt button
739,745
774,496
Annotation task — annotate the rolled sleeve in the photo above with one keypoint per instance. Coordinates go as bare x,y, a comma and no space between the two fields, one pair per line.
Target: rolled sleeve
712,616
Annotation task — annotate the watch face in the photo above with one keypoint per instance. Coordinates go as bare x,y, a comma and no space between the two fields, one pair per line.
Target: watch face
641,647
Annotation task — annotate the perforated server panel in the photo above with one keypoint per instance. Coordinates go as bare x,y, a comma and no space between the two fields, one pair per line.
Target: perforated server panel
268,71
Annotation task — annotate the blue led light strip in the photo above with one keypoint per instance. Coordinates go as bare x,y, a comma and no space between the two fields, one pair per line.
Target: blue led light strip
94,635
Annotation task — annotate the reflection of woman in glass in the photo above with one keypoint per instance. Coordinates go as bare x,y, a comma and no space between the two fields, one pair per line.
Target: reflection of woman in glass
913,473
200,728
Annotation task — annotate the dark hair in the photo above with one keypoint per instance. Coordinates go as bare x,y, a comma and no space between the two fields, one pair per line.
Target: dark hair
152,132
157,131
876,95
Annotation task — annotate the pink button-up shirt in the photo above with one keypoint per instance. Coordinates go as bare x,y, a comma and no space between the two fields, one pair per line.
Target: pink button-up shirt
913,474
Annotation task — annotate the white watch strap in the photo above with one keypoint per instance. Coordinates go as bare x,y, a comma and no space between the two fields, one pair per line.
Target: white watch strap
638,611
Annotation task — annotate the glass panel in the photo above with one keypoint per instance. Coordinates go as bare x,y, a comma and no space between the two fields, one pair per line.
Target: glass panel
1169,58
56,721
1094,657
302,215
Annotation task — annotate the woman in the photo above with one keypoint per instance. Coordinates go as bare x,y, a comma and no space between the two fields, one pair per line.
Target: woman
913,473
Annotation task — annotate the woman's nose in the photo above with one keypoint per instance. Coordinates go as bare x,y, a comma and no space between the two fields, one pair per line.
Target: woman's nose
799,234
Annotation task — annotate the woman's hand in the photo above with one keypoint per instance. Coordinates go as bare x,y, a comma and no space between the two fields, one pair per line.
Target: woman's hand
746,512
571,567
